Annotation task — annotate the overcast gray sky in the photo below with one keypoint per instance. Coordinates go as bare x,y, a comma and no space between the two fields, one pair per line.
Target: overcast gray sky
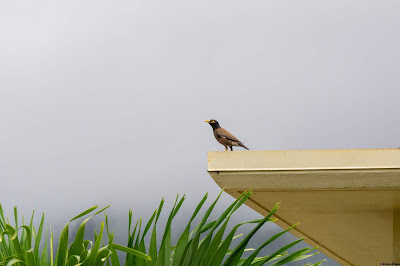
103,102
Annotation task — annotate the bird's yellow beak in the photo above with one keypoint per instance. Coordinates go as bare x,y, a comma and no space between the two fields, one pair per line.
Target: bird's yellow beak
208,121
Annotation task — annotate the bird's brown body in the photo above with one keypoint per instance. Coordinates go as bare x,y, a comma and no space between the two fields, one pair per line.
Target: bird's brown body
224,137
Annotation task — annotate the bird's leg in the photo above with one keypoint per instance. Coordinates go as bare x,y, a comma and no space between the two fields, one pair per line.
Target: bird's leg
226,148
231,148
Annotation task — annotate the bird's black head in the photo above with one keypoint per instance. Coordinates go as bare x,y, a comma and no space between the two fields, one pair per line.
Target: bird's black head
213,123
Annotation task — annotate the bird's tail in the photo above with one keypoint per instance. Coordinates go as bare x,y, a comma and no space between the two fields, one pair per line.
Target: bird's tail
242,145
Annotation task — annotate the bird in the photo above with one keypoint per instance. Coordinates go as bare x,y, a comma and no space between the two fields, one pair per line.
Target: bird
223,136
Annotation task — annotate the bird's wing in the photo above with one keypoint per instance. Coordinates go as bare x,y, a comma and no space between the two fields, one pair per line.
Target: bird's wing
223,133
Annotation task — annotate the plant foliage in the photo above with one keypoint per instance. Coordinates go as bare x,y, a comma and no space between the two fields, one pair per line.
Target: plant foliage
208,244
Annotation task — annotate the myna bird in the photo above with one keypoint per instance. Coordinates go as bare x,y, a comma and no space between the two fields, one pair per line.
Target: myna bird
223,136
